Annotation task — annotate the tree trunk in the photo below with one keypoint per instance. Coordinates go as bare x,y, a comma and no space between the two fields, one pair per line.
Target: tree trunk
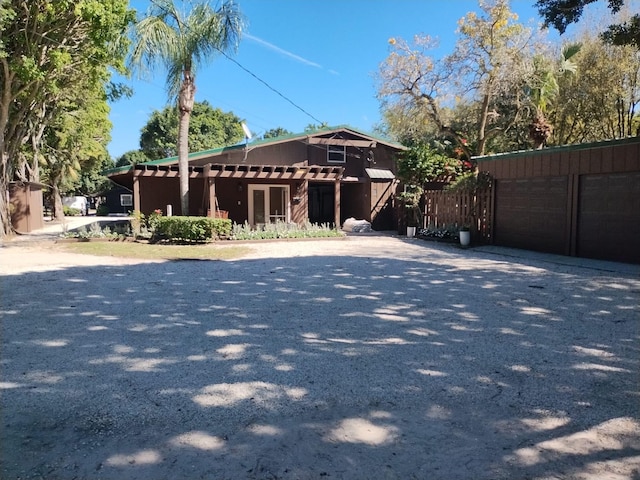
540,130
185,107
58,210
5,213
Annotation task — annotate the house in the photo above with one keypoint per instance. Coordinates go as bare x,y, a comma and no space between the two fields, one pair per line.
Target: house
118,200
324,176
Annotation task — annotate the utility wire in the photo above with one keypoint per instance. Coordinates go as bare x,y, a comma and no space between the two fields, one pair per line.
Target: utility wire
270,87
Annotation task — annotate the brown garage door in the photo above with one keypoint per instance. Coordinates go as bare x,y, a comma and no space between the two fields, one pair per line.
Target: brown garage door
609,217
531,213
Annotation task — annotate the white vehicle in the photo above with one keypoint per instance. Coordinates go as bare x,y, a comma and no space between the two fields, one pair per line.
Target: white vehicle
79,203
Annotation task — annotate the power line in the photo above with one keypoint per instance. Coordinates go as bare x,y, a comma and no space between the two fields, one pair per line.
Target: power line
270,87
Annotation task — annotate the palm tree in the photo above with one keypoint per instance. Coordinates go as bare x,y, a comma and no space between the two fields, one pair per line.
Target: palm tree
546,90
180,42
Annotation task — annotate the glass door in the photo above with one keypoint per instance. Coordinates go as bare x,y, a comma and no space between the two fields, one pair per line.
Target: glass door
268,204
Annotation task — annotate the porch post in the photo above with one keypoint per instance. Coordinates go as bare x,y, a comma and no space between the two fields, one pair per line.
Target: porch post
337,202
136,191
211,182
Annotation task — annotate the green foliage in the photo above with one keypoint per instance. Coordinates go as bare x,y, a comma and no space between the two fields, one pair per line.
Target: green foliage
208,128
57,56
132,157
74,149
70,212
281,230
423,164
92,182
488,64
180,41
276,132
137,222
470,182
626,33
115,232
561,13
102,210
312,127
191,229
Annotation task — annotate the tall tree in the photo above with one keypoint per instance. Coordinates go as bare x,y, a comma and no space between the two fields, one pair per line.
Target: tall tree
48,48
487,68
208,128
561,13
181,42
75,142
602,101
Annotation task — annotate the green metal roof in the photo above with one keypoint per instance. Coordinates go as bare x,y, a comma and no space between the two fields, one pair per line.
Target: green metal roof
257,143
564,148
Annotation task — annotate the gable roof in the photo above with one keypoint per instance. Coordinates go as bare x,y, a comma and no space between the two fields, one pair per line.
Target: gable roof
265,142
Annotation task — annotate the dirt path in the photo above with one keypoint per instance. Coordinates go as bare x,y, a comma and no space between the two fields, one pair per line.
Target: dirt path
374,357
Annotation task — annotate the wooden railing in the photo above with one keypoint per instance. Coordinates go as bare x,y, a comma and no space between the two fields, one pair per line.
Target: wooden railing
451,210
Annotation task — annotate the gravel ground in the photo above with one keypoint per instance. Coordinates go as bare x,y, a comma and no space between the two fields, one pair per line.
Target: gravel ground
374,357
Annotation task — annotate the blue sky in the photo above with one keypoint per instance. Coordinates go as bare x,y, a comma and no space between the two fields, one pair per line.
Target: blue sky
321,54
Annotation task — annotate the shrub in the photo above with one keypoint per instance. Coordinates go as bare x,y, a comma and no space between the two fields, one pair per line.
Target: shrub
115,232
191,229
283,230
102,211
70,212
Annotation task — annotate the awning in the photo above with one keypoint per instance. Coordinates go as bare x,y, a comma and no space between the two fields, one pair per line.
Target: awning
379,174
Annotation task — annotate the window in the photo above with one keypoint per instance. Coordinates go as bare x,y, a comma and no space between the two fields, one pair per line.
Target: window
336,153
126,200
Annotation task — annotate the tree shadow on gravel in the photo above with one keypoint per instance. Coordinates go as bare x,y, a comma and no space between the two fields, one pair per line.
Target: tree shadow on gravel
321,367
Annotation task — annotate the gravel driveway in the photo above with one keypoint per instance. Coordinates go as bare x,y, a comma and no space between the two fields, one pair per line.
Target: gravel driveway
374,357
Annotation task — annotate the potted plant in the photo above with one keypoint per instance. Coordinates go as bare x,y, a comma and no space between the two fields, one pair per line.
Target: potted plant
465,235
410,198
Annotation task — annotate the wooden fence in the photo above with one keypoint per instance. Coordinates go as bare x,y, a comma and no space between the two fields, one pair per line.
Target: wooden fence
451,210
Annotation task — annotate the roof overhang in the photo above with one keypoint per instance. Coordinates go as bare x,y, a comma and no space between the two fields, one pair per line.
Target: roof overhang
379,174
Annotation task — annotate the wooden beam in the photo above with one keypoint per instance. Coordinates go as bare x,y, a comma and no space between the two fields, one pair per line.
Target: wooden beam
342,142
336,202
136,192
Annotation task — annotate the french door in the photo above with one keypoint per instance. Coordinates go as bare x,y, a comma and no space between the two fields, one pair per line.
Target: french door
269,204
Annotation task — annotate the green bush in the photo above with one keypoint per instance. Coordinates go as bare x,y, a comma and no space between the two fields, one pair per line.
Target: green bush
191,229
70,212
102,211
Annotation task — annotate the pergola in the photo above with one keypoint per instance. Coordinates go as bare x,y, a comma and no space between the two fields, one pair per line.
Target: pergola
212,172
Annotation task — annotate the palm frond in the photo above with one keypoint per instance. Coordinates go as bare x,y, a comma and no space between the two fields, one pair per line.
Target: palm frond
181,43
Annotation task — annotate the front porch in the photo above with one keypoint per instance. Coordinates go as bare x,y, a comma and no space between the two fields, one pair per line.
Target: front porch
256,194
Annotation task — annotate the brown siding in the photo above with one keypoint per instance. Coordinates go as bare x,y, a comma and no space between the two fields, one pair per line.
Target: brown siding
578,200
382,205
531,213
157,193
609,215
26,207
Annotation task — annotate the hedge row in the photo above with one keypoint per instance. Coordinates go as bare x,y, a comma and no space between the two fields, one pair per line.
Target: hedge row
193,229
